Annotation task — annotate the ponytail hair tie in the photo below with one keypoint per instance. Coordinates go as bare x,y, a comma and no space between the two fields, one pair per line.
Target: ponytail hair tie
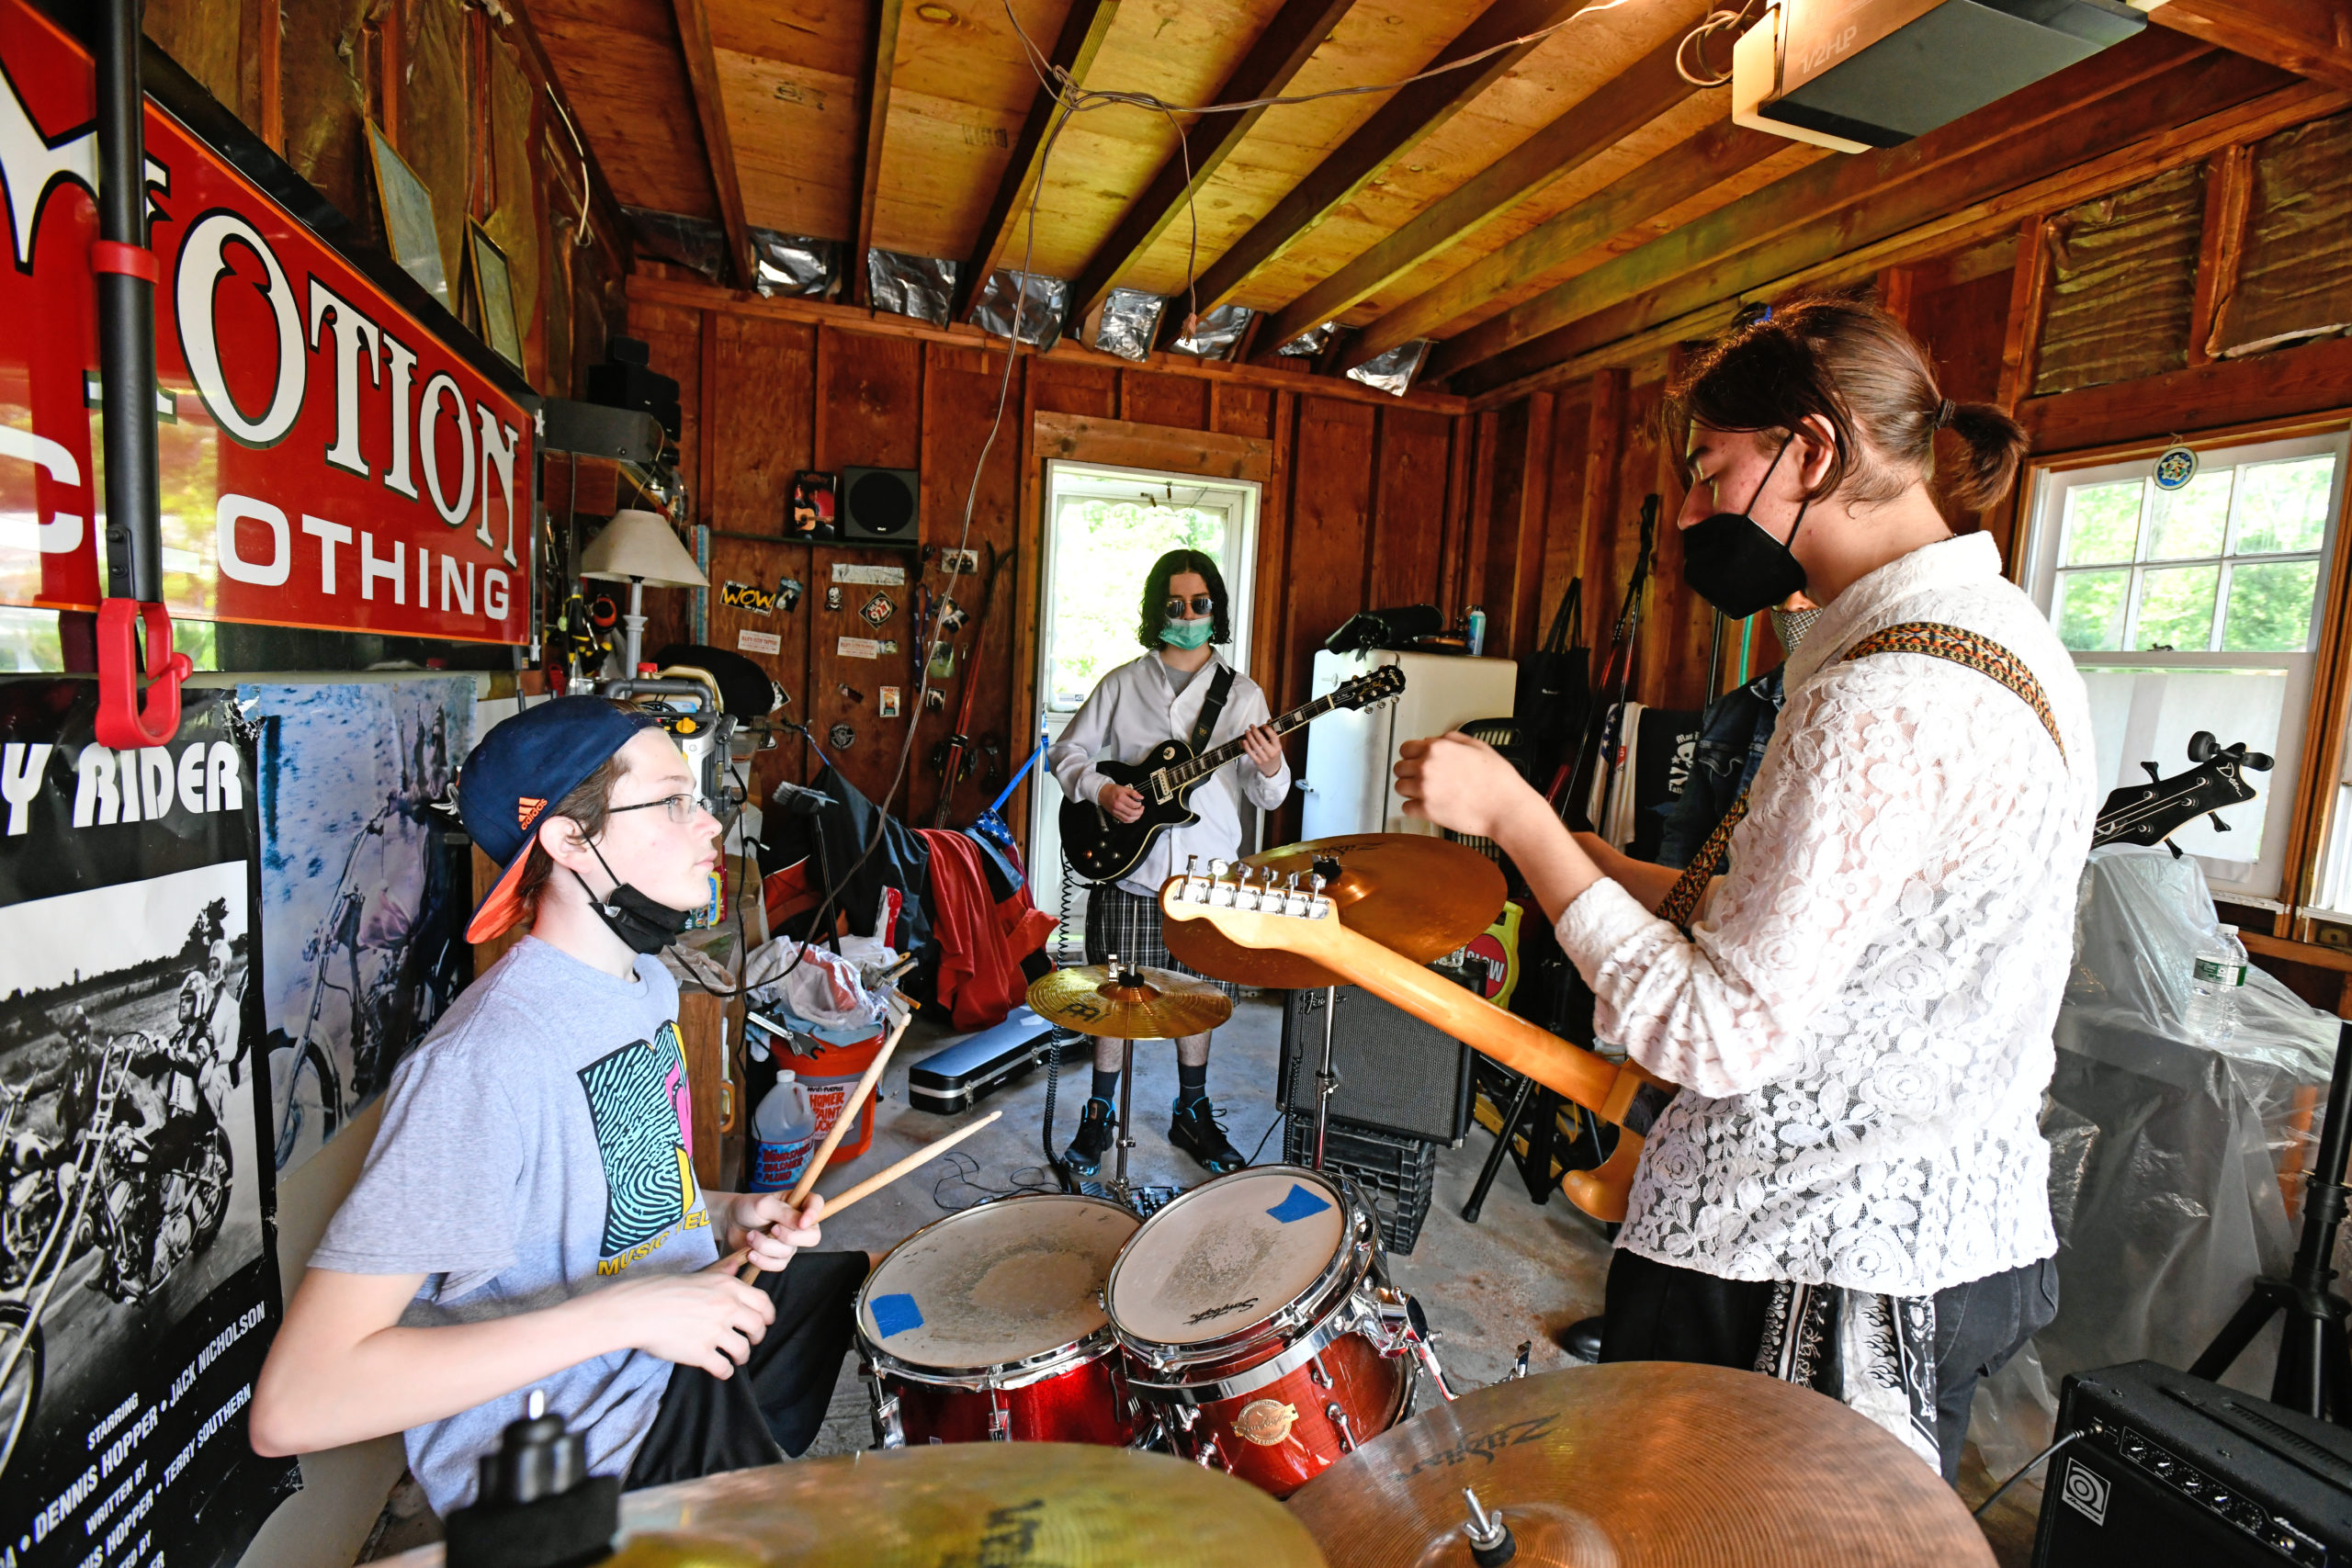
1944,412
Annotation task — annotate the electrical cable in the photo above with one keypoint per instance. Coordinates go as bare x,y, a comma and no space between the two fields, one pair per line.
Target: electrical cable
1694,44
1978,1512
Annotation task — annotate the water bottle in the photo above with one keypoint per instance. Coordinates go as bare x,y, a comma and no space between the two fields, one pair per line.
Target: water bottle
2213,984
783,1130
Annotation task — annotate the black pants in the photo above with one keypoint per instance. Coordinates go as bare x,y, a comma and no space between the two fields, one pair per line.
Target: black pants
1658,1312
774,1402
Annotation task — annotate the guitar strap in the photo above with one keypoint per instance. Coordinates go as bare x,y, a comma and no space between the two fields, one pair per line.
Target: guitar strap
1936,640
1212,706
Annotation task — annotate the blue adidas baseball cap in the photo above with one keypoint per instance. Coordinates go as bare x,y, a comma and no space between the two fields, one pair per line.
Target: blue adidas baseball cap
524,765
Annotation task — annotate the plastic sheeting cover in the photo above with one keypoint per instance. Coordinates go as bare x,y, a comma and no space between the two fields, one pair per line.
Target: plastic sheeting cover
2295,278
1219,333
921,287
2164,1152
1130,320
1393,370
2122,275
696,243
792,264
1036,300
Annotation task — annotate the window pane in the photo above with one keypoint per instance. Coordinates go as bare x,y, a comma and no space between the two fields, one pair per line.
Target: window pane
2270,607
2284,506
2090,609
2190,521
2176,608
2102,521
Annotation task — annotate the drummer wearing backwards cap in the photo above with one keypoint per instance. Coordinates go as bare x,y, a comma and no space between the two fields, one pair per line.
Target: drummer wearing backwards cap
528,1217
1851,1190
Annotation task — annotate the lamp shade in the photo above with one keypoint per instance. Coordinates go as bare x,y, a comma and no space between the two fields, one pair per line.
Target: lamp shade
639,547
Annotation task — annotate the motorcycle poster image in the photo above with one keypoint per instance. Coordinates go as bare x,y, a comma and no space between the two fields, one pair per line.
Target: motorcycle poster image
138,1284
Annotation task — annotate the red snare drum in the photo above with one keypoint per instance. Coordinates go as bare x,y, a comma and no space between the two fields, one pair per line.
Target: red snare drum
1251,1320
989,1325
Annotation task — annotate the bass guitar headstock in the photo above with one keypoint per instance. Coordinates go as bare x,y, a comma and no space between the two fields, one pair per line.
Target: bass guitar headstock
1249,908
2150,813
1373,686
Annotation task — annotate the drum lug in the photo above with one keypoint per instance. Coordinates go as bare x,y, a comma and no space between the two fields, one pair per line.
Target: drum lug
1316,1372
1185,1416
1338,1418
1210,1457
1000,1419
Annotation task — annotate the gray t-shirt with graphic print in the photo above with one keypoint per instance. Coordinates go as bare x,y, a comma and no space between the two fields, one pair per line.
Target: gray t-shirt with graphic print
535,1145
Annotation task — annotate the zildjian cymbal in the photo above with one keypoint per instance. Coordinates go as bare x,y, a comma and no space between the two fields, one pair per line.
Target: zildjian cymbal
958,1504
1131,1004
1642,1464
1412,893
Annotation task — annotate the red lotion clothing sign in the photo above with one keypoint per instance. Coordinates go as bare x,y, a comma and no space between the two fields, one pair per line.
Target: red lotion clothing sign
326,461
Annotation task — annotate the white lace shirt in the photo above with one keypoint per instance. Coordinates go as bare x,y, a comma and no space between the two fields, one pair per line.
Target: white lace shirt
1860,1018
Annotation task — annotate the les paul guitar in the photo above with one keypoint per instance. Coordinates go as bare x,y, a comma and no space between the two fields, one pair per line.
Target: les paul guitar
1100,848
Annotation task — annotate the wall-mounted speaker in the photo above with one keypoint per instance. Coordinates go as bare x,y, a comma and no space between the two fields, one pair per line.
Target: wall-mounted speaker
880,506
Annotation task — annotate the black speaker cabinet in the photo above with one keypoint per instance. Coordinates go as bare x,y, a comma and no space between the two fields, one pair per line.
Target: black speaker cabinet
1395,1072
2173,1469
880,506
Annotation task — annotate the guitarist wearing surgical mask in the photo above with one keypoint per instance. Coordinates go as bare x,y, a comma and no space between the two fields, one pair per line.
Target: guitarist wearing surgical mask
1181,689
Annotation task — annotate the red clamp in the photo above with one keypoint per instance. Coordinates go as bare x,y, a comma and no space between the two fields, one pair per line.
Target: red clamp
132,261
124,719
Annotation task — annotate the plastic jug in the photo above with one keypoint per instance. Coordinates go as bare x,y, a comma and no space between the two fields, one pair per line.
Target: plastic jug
783,1131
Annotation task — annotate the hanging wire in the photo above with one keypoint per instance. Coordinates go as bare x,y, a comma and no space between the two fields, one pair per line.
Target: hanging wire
1694,44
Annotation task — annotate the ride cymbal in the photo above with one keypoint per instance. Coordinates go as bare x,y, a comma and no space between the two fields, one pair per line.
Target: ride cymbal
1130,1004
1643,1464
1412,893
1063,1504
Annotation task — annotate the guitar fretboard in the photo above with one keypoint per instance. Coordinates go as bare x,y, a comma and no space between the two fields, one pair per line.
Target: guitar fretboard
1177,776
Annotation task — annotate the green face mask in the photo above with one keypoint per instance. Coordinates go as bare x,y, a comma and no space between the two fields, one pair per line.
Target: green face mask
1187,634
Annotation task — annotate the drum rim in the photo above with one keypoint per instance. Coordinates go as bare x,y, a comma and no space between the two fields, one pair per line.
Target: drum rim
1322,1298
1020,1372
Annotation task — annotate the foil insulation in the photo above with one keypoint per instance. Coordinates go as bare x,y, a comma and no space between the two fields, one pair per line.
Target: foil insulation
2122,277
921,287
2295,276
1311,342
1130,322
1026,299
1392,370
1218,334
792,264
696,243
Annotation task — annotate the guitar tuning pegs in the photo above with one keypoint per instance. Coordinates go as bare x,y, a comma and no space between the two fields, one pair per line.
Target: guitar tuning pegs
2153,775
1191,865
2219,826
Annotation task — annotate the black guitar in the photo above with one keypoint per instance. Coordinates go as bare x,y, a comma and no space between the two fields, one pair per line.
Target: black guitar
2147,814
1100,848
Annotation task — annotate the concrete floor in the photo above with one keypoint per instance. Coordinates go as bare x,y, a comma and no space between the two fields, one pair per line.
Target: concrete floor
1522,1273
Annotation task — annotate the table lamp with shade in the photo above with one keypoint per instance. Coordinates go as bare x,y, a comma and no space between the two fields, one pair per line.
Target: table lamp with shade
641,547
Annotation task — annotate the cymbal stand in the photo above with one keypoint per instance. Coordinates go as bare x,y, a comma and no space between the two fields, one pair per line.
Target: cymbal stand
1327,1082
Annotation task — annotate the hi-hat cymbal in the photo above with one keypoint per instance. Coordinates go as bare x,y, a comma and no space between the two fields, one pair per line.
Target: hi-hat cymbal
1643,1464
1136,1004
1412,893
957,1503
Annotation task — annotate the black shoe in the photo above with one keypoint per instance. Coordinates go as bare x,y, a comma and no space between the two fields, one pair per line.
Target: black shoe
1092,1140
1581,1339
1196,1131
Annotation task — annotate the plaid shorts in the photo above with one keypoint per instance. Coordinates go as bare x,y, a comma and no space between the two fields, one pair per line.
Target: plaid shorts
1128,924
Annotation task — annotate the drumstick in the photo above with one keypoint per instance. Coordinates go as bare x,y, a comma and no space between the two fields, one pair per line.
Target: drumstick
832,1140
882,1179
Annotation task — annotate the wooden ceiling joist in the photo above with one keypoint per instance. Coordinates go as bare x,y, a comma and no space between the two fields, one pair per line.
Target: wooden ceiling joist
2310,37
1674,176
874,114
1621,106
1394,130
2125,93
718,146
1280,53
1080,39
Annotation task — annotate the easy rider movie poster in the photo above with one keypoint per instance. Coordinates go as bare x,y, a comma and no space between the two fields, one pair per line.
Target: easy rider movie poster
138,1284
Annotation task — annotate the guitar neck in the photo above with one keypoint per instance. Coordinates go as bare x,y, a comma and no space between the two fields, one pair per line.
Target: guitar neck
1210,761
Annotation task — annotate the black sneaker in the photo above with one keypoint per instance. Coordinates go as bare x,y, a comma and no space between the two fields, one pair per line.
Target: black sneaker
1092,1140
1195,1129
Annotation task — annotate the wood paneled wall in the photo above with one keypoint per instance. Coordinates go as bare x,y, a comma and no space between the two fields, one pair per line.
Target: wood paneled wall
1364,505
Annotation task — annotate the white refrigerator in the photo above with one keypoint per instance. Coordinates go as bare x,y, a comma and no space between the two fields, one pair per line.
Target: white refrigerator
1349,786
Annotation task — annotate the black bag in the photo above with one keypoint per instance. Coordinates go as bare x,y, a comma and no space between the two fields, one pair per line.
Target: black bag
1555,692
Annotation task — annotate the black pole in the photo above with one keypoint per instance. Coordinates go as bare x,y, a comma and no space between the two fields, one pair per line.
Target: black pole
127,318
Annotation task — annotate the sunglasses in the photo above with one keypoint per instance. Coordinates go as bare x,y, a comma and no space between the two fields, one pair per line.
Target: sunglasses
680,808
1173,608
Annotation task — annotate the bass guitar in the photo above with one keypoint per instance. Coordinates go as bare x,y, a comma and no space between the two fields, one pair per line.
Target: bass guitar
1100,848
1292,920
2148,813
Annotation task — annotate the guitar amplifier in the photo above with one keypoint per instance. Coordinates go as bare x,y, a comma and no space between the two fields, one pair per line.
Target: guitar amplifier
1395,1072
2173,1469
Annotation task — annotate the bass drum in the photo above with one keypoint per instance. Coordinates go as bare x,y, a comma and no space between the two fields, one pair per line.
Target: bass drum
1251,1321
988,1325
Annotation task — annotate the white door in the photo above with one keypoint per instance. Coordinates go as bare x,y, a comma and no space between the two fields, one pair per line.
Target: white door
1103,529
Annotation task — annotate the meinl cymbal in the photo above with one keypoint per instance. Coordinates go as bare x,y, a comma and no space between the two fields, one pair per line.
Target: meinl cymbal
1412,893
1061,1503
1131,1004
1643,1464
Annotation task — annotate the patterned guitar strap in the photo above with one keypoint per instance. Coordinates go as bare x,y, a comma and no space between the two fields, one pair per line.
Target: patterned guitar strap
1933,639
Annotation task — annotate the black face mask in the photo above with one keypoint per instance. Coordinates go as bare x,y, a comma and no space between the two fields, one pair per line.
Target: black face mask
1732,563
646,926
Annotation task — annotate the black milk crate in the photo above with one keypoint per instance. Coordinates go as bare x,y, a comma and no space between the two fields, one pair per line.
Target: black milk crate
1398,1174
